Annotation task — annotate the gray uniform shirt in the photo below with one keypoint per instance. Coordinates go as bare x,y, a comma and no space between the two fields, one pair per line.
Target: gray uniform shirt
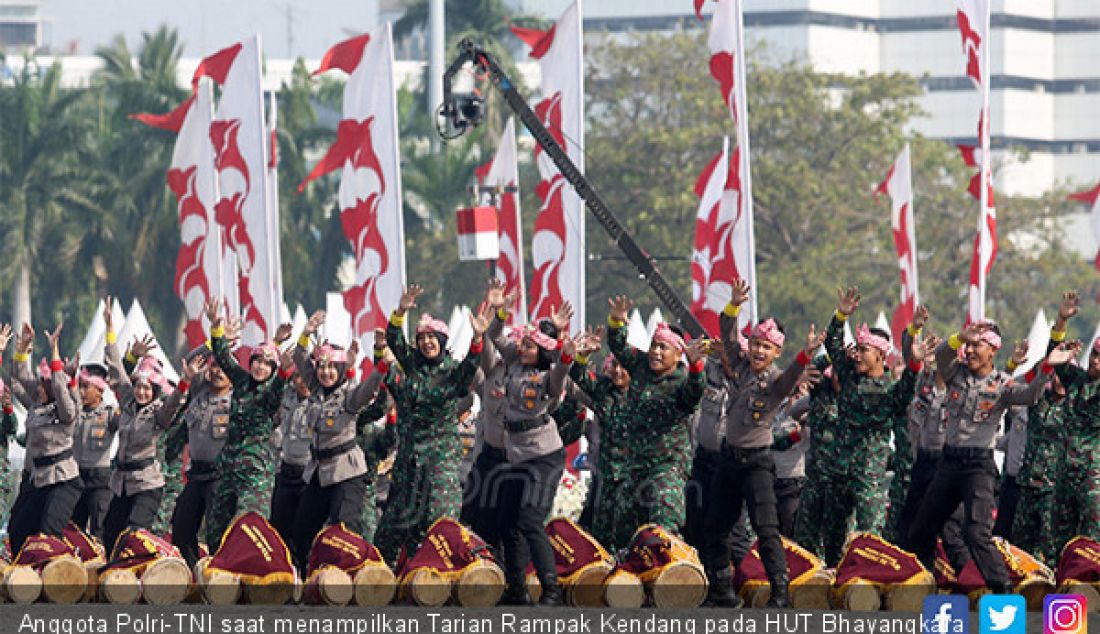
50,428
710,426
1014,440
295,429
207,420
791,462
95,432
333,417
927,426
974,405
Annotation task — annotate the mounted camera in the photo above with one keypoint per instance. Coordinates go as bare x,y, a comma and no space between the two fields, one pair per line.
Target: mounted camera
461,113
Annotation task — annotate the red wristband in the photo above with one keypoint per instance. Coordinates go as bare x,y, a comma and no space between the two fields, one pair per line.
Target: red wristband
699,366
57,365
476,346
350,374
391,418
566,359
915,365
382,368
9,409
286,374
183,386
803,359
1047,368
1030,376
795,436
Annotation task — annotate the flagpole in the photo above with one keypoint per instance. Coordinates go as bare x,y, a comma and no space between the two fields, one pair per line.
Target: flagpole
744,163
984,239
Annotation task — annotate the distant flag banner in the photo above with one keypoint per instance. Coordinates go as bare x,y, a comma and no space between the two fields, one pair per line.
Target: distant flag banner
366,150
1092,199
973,17
899,186
557,246
503,172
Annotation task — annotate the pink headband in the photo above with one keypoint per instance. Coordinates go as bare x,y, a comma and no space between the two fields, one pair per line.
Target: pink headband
44,372
93,380
992,338
865,337
668,336
266,351
768,330
541,339
429,324
329,354
148,370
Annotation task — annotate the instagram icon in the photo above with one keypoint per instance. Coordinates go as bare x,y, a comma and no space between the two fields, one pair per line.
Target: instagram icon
1064,614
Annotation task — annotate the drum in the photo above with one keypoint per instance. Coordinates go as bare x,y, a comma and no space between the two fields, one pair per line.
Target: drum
667,567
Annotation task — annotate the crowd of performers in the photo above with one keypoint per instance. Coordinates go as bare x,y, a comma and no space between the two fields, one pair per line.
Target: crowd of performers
709,439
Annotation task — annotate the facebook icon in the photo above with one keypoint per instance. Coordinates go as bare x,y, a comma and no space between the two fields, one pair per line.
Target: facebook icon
945,615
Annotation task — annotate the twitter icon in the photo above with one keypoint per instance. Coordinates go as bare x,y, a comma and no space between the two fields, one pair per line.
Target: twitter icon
1002,614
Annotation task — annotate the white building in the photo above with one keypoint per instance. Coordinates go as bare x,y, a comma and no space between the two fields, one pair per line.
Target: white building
21,26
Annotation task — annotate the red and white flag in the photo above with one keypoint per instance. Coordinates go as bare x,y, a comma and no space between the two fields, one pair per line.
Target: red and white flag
723,245
503,172
973,21
366,150
899,186
1092,198
557,246
240,141
733,254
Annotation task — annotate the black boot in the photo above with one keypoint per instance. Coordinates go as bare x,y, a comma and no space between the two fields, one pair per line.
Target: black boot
516,594
720,594
551,592
781,596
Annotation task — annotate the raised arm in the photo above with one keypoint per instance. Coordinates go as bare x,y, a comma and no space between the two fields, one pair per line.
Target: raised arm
395,336
169,411
788,381
23,375
67,406
728,323
690,392
362,395
629,357
463,374
847,302
903,390
301,349
220,334
1029,393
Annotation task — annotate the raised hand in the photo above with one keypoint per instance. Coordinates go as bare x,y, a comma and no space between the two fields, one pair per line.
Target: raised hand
286,360
696,350
589,341
314,323
408,298
195,367
1019,353
212,308
494,294
108,315
353,352
5,336
479,321
282,333
933,341
55,338
568,348
814,340
562,316
142,347
233,329
1070,305
923,349
920,316
1063,354
847,299
619,308
379,339
740,293
72,366
25,343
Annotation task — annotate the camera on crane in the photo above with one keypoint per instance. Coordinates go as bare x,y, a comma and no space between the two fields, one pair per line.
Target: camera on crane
461,113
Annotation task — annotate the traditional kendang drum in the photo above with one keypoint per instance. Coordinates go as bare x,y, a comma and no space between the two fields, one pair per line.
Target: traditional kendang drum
344,567
810,581
1028,576
668,568
874,573
144,566
91,553
45,567
253,556
452,563
1079,570
582,563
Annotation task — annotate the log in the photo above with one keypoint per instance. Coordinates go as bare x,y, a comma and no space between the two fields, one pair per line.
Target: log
623,589
22,584
428,588
479,585
813,593
909,597
120,587
269,593
328,586
1087,590
681,584
219,588
375,585
64,580
167,581
534,587
1034,589
91,591
858,596
757,596
586,590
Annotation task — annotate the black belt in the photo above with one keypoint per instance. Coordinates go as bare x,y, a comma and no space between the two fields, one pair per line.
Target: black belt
46,461
493,453
201,468
291,471
520,426
743,452
136,465
929,455
332,452
967,452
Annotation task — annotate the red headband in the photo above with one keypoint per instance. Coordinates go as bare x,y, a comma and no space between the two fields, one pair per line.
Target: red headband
768,330
93,380
329,354
668,336
865,337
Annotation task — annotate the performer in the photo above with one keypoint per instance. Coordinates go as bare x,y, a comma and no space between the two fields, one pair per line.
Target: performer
96,429
789,446
136,481
746,473
336,474
824,447
295,440
977,396
524,387
427,391
1012,442
244,461
9,478
376,433
205,419
867,405
51,480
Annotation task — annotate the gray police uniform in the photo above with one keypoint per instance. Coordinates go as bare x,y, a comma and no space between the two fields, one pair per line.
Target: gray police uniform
296,440
95,434
1012,442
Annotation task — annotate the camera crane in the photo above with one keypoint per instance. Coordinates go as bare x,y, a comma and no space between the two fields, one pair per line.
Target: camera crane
464,111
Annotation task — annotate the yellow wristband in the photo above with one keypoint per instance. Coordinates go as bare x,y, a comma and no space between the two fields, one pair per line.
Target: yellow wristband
217,332
502,314
954,341
731,310
840,316
303,342
581,359
209,344
1057,335
397,320
20,357
1011,365
615,323
913,330
111,337
130,357
379,353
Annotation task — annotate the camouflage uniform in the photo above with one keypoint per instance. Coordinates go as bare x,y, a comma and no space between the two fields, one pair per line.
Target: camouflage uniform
170,456
1077,488
1031,529
901,463
9,478
867,409
377,440
425,485
824,447
244,465
610,405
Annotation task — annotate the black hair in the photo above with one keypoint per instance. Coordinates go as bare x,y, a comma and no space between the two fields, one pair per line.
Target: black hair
441,338
778,324
678,330
880,332
548,328
95,369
